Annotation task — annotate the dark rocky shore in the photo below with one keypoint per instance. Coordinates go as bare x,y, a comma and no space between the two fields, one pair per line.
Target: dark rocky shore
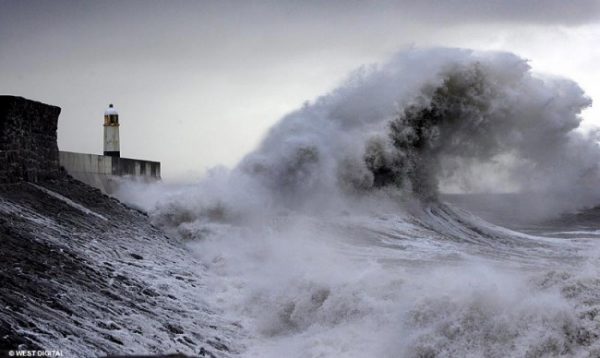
82,273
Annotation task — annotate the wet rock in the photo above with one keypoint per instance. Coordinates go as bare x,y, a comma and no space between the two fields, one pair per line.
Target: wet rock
218,345
174,328
63,276
113,339
150,292
111,326
206,353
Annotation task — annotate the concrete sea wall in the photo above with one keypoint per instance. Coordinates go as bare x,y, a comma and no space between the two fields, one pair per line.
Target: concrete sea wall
103,172
94,170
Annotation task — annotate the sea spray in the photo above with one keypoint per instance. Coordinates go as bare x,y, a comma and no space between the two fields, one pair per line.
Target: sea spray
329,239
426,120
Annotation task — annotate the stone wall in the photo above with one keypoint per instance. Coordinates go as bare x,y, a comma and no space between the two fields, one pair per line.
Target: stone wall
28,148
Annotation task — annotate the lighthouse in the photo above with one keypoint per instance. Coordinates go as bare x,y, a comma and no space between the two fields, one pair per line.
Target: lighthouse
101,171
111,132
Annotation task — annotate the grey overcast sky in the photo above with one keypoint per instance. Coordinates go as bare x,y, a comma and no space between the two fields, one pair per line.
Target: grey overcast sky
197,83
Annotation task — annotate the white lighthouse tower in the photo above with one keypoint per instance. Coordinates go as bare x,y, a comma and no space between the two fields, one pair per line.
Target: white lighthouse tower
111,132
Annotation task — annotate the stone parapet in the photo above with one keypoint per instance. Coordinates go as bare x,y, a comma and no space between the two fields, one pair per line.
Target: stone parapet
28,148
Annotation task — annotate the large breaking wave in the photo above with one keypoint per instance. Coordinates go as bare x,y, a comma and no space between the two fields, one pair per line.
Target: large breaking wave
330,240
431,115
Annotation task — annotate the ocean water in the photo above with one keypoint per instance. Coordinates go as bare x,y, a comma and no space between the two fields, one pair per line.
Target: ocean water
438,284
331,238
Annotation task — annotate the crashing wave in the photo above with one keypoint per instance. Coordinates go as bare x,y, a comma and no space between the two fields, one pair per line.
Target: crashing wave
330,238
